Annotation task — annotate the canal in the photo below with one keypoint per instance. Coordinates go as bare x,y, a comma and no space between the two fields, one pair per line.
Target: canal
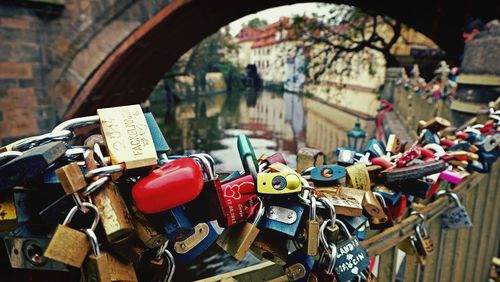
274,122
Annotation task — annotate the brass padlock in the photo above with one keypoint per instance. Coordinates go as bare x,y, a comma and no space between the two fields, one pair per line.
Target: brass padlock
146,232
347,201
238,239
127,136
71,178
331,231
8,214
312,230
270,246
121,271
95,267
393,144
436,124
68,245
358,177
309,157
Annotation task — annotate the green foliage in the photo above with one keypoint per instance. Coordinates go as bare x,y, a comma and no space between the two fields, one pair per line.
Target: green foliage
257,23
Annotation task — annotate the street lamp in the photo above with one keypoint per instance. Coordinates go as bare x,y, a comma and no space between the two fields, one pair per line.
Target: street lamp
356,137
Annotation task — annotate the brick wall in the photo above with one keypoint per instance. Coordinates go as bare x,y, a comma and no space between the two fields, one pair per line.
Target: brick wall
48,52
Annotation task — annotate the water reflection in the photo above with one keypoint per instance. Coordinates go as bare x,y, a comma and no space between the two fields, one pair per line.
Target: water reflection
274,122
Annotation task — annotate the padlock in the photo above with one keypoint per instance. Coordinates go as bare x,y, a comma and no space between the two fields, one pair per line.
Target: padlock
119,270
309,157
393,144
384,219
375,147
428,137
327,175
159,268
358,177
71,178
312,230
437,124
491,142
323,270
95,267
173,184
30,164
391,197
351,257
354,223
115,216
247,155
8,214
373,207
298,266
130,252
278,183
264,161
456,217
160,144
238,239
146,232
347,201
68,245
413,153
283,217
206,206
188,249
128,137
424,243
237,199
232,176
414,172
399,208
345,157
174,223
453,176
329,232
270,246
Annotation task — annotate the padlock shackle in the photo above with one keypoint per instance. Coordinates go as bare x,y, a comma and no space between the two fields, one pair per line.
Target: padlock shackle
312,210
171,265
380,198
206,166
260,212
307,171
421,216
73,211
344,228
30,142
93,241
161,250
329,205
95,185
104,171
438,150
76,122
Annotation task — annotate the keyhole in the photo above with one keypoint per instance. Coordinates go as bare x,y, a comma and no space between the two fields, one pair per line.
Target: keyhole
327,172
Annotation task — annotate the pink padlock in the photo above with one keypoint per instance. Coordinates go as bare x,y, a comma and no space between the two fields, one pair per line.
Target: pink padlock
452,176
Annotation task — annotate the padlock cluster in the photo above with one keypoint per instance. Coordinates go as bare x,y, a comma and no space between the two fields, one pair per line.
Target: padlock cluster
123,210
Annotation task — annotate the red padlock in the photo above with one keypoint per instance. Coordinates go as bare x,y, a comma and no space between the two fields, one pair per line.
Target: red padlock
173,184
408,156
238,199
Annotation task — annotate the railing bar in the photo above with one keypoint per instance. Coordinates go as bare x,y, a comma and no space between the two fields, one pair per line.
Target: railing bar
387,265
390,237
440,250
488,240
463,235
412,269
430,269
487,216
476,229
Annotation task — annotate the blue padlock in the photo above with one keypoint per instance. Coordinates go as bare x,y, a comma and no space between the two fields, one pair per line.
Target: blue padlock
283,217
360,233
161,145
174,222
428,137
298,266
345,156
354,223
188,249
233,175
460,146
327,174
375,147
390,197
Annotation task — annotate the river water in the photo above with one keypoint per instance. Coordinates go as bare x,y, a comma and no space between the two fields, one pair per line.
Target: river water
274,122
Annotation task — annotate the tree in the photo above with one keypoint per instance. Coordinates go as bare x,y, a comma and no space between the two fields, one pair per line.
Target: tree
345,37
257,23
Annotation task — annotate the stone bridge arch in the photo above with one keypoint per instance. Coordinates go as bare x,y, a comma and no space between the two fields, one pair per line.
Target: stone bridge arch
130,72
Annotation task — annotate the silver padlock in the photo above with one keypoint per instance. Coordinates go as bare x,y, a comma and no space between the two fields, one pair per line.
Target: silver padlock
456,217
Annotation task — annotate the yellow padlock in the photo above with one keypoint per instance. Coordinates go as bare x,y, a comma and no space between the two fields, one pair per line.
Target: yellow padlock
278,183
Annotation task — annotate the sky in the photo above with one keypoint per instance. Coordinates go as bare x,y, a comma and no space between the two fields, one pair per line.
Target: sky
273,14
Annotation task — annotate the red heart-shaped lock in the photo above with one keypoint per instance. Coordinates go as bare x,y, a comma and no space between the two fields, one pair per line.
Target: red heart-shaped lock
175,183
